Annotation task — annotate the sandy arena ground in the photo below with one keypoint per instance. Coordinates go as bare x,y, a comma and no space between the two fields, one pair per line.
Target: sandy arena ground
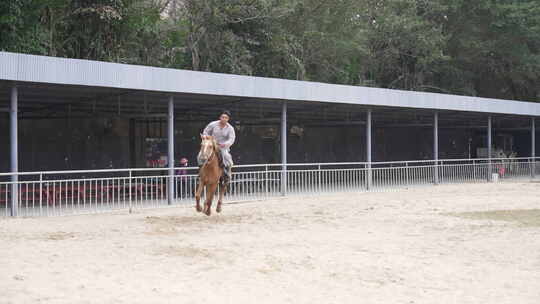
475,243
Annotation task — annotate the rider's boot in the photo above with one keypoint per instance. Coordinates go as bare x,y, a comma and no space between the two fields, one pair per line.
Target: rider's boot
227,174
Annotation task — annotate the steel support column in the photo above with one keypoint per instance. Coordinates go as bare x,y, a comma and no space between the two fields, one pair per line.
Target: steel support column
14,150
489,148
170,156
436,147
369,178
284,148
533,148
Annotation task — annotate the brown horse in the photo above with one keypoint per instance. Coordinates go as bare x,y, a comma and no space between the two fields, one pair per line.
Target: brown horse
210,175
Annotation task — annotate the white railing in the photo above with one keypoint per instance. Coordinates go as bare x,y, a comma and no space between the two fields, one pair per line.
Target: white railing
76,192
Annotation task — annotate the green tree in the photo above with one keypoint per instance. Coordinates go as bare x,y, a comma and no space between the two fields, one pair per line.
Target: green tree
495,48
405,44
20,27
486,47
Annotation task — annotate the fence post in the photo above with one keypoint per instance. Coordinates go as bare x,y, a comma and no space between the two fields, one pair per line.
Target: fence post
130,193
319,177
474,169
407,173
40,193
266,180
529,162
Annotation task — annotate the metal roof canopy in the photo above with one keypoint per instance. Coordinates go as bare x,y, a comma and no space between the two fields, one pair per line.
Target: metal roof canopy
54,101
56,88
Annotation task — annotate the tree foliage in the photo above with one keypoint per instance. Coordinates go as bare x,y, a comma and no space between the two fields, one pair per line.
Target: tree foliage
485,48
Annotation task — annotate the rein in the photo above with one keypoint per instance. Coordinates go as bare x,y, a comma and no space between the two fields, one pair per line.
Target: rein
211,156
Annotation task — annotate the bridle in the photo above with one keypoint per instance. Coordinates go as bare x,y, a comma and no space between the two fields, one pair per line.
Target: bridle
212,154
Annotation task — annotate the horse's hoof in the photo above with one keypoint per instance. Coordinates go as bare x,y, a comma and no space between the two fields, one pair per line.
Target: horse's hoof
218,209
208,212
198,208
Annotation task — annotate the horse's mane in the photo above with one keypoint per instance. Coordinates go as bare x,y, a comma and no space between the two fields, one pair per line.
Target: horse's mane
214,142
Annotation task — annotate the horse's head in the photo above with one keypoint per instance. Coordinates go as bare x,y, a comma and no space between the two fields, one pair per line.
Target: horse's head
208,146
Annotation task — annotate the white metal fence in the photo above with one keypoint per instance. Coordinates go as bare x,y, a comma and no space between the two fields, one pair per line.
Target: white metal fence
76,192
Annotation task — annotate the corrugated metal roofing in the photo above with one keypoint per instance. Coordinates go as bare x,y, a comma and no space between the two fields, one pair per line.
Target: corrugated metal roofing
52,70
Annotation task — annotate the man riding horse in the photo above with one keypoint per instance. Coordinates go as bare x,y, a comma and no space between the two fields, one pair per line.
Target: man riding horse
224,135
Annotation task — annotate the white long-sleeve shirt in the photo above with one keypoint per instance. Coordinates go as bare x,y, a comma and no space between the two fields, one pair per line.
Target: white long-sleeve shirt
224,136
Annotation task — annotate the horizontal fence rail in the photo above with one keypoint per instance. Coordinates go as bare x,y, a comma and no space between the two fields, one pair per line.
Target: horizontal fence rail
78,192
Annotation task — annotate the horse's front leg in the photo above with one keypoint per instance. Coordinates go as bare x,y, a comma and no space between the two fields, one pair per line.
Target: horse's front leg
198,193
222,191
210,191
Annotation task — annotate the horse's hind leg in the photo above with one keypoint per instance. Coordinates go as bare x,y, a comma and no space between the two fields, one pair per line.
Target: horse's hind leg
222,191
210,191
198,193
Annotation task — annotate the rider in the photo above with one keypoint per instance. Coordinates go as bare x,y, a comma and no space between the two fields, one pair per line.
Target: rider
224,134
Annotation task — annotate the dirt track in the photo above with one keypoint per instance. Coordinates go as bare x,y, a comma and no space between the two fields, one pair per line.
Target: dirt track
446,244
